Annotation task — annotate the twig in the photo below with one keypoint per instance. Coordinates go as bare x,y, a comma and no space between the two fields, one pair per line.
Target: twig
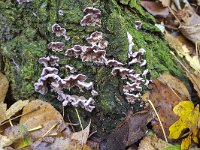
36,128
8,120
79,119
48,131
159,120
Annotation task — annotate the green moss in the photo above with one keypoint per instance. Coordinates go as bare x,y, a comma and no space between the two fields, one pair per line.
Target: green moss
26,31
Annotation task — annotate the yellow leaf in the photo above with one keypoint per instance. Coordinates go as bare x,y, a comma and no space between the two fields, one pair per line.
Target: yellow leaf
185,144
188,120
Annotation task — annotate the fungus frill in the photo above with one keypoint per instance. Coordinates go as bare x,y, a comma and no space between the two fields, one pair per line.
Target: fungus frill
121,71
59,31
92,17
56,46
113,63
132,87
132,98
49,61
23,1
96,39
74,51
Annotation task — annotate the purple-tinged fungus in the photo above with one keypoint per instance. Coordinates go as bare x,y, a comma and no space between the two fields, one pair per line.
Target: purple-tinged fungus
75,51
138,25
113,63
87,86
49,61
59,31
145,72
132,87
94,93
96,39
131,44
92,17
23,1
135,78
56,46
147,82
60,12
70,68
143,62
83,102
101,61
132,98
92,54
72,80
41,86
121,71
49,70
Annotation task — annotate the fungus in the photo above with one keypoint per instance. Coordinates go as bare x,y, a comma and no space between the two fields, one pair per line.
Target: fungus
75,51
71,69
23,1
92,54
56,46
145,72
123,72
94,93
131,87
49,70
92,17
131,98
138,25
96,39
131,44
59,31
113,63
49,61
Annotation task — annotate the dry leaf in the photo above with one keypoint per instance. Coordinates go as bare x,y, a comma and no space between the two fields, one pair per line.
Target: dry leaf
3,108
165,3
14,108
82,136
175,84
183,51
61,144
3,87
189,116
47,116
129,131
4,141
195,79
152,143
164,99
156,9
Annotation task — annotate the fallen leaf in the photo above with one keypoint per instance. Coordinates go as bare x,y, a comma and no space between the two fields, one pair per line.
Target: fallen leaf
129,131
165,3
7,114
183,51
4,141
3,87
189,116
47,117
14,108
195,79
175,84
152,143
61,144
81,136
156,9
164,99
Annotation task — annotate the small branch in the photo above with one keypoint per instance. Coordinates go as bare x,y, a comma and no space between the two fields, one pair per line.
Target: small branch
159,120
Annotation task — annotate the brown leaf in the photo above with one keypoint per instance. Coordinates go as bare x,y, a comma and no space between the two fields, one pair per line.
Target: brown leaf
3,108
152,143
164,99
82,136
3,87
14,108
4,141
156,9
195,79
165,3
47,116
130,130
175,84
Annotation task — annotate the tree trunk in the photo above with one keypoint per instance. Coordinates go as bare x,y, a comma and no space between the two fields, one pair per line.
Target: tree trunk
25,31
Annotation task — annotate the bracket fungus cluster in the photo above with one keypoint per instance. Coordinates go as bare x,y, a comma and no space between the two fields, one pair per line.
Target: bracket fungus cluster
92,17
93,52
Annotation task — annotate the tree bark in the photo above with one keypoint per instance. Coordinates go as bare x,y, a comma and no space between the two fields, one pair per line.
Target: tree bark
25,31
